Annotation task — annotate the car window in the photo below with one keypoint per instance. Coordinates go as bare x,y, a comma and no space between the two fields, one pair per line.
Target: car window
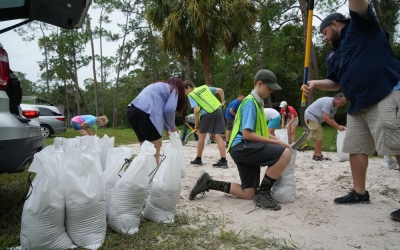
48,112
11,3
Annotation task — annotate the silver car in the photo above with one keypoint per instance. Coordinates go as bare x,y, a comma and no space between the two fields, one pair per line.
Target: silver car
51,120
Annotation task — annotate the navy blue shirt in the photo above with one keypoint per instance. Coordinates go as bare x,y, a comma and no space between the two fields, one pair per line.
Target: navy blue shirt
363,64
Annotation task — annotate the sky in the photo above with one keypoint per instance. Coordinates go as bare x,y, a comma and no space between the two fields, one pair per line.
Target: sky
24,56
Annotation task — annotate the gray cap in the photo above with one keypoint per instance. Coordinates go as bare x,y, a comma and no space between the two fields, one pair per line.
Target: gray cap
332,17
267,77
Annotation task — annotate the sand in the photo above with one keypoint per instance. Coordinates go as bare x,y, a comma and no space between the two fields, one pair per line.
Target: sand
313,221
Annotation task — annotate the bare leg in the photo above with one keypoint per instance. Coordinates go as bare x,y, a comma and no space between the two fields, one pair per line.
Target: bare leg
293,133
227,135
236,190
289,134
359,165
83,132
318,148
221,145
157,145
271,131
398,159
200,144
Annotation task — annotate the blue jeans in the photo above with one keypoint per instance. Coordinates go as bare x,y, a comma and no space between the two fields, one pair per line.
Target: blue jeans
185,129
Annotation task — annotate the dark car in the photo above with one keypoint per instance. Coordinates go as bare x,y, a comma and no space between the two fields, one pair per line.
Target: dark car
19,138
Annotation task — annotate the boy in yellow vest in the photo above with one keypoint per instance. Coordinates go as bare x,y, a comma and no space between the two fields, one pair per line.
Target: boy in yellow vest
251,147
212,121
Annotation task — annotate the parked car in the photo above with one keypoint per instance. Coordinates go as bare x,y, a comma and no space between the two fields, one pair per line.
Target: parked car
19,139
31,112
51,120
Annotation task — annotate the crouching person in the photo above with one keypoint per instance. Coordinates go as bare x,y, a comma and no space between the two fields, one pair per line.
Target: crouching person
251,148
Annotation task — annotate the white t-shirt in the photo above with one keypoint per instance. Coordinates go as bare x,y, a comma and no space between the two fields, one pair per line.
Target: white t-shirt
270,113
315,111
191,118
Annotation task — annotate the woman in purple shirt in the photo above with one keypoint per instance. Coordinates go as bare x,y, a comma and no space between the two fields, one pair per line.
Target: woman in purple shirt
154,110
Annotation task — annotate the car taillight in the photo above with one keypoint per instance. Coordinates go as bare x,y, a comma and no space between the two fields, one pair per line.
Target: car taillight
30,113
4,68
61,119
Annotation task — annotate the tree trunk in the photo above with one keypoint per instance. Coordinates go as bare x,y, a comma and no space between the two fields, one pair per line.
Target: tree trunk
96,100
67,101
101,62
205,58
118,72
46,62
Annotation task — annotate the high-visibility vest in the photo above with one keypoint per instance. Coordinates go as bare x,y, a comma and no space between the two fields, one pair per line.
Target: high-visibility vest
205,99
260,124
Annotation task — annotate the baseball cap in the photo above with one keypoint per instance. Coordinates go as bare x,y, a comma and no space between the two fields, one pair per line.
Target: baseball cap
332,17
283,104
267,77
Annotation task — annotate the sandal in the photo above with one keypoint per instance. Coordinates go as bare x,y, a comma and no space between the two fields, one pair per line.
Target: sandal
320,158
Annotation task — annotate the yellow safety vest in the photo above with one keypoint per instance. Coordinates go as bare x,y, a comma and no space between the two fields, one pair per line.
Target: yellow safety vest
260,124
205,99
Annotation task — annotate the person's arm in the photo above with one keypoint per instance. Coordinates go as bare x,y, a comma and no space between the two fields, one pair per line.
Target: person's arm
85,126
196,112
325,84
186,120
169,112
249,135
221,94
331,122
360,7
283,120
232,111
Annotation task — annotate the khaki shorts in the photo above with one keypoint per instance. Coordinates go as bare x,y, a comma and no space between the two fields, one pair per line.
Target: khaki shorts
375,128
295,121
315,130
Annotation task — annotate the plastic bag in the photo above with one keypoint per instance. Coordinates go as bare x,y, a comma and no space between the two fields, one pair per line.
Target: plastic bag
165,190
339,146
128,196
284,189
177,144
207,141
43,215
282,135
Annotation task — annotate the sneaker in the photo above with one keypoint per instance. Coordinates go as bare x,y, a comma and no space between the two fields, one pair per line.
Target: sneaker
352,198
200,186
265,201
396,215
197,162
221,164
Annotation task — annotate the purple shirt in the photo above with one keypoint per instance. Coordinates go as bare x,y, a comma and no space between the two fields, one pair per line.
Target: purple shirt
160,103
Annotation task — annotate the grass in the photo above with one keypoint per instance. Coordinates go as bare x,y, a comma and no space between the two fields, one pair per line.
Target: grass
187,232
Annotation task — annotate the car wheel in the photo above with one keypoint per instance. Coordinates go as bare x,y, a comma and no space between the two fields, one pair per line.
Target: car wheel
46,131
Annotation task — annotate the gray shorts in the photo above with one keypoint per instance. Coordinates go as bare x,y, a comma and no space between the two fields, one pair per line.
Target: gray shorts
213,123
229,123
375,128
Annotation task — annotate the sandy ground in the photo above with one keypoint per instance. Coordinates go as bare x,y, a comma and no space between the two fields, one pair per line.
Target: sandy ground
313,221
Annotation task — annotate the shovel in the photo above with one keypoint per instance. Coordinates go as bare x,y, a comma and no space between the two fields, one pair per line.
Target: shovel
305,78
186,138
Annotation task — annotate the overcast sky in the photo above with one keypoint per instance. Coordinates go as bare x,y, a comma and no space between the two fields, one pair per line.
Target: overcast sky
24,56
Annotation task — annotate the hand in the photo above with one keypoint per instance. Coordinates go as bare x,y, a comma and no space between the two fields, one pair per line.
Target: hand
287,125
341,128
224,104
308,88
283,144
167,133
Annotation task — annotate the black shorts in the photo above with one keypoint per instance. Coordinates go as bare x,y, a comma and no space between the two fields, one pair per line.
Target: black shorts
251,156
213,123
142,125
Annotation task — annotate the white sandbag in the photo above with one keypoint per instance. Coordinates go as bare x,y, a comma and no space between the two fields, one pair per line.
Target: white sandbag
83,185
284,189
339,146
127,199
176,143
117,160
165,190
207,141
43,215
282,135
103,145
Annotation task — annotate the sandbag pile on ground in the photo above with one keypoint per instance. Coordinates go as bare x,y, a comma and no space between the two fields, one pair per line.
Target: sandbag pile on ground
67,202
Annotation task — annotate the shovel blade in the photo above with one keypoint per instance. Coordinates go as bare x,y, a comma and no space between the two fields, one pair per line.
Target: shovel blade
300,141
